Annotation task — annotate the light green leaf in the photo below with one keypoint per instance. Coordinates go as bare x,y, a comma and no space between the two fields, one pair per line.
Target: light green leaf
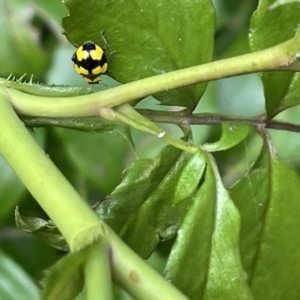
232,134
189,177
281,2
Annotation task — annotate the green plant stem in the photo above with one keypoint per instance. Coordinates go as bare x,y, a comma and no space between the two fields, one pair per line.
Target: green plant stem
44,181
180,118
138,279
278,57
97,273
73,217
128,115
183,118
176,118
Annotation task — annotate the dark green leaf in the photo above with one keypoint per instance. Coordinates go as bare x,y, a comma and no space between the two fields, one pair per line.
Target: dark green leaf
43,229
269,28
150,38
205,255
232,134
150,203
268,201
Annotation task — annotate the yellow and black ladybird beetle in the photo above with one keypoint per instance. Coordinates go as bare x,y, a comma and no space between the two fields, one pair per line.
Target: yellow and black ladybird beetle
90,60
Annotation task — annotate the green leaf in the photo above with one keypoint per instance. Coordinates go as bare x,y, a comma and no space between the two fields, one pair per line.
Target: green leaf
281,2
232,134
14,282
189,177
150,203
206,252
269,28
150,38
268,201
90,124
43,229
65,279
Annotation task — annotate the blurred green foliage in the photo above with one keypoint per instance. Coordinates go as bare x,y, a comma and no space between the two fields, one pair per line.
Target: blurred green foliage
32,43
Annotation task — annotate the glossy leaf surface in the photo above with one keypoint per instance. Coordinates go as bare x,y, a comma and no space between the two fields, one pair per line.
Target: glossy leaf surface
268,201
150,203
205,262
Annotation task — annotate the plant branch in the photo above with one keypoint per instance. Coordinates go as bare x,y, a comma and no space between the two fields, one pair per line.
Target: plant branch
184,118
44,181
74,218
97,273
177,118
280,57
181,118
128,115
140,281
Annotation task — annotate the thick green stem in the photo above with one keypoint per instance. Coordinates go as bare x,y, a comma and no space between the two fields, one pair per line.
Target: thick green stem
137,278
275,58
128,115
77,222
97,273
44,181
